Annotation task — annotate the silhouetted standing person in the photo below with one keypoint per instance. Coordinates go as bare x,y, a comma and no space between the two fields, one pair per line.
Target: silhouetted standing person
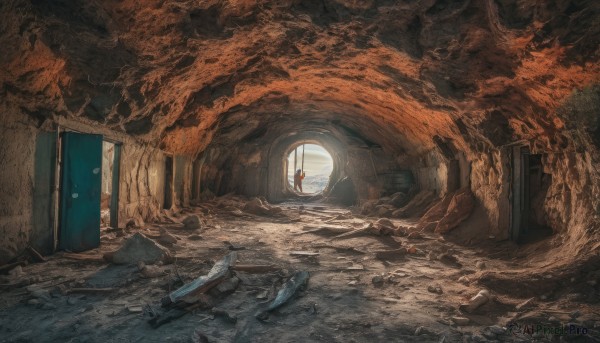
298,177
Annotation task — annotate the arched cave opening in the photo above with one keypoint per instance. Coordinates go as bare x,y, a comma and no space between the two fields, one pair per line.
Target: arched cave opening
313,163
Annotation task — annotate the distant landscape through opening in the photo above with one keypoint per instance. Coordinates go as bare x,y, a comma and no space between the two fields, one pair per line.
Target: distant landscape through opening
318,166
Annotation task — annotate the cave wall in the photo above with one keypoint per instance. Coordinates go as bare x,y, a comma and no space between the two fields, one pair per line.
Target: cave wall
572,202
142,184
17,153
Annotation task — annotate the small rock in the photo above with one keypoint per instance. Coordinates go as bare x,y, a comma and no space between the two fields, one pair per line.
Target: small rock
377,280
34,302
421,330
475,302
229,285
435,289
71,301
166,238
464,280
262,295
460,321
575,314
135,309
496,329
352,283
16,271
480,265
191,222
592,282
449,259
195,237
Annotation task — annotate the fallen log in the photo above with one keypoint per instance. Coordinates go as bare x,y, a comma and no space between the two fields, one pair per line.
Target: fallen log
202,284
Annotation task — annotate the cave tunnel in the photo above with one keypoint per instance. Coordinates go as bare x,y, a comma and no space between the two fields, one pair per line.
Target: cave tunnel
147,151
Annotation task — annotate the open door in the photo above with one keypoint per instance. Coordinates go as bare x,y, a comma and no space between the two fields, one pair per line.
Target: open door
529,187
80,191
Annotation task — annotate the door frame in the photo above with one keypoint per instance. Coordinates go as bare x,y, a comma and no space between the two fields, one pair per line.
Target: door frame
116,177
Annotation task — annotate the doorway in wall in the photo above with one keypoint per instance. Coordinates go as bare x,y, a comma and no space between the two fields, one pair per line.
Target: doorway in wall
312,161
110,184
529,188
89,189
168,199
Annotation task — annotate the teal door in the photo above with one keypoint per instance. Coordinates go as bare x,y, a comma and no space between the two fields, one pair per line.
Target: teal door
80,191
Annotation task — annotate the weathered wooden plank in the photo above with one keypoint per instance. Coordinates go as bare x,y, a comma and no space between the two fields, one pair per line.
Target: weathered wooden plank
202,284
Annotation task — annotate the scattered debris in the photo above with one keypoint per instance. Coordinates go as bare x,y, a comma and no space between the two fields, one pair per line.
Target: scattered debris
224,314
202,284
525,305
450,260
135,309
255,268
435,289
261,207
460,321
303,253
149,271
475,302
139,248
36,255
391,254
289,289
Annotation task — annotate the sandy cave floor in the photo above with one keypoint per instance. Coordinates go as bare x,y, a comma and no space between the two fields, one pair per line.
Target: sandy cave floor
416,301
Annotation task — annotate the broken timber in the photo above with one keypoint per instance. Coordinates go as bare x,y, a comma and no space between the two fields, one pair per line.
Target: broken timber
286,292
202,284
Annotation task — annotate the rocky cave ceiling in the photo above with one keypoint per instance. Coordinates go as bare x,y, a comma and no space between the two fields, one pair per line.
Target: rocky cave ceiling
174,73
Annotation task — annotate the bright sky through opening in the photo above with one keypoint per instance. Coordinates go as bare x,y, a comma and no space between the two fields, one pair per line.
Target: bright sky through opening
318,165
